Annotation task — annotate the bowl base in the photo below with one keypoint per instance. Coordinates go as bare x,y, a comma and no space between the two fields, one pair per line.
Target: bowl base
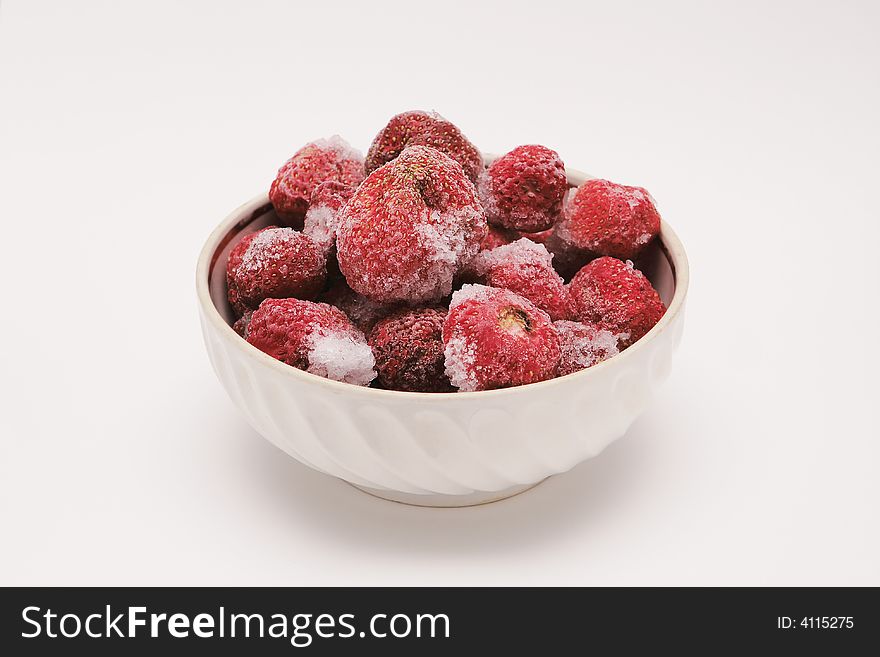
446,501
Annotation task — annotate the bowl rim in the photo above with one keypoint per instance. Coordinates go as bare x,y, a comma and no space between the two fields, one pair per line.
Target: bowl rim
669,242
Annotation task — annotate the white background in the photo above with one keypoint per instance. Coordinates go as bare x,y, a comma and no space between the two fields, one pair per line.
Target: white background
130,130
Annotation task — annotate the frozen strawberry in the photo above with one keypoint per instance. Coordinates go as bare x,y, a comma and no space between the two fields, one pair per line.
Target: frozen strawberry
240,325
322,217
583,345
494,238
495,338
526,268
567,258
322,220
615,296
325,159
523,189
314,337
609,219
539,237
408,347
233,261
418,128
498,237
410,228
362,312
274,263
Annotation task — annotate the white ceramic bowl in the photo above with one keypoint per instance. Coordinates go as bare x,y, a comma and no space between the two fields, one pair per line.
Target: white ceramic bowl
440,449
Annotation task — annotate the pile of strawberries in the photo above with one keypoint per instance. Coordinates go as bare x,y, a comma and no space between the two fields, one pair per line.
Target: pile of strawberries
419,268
